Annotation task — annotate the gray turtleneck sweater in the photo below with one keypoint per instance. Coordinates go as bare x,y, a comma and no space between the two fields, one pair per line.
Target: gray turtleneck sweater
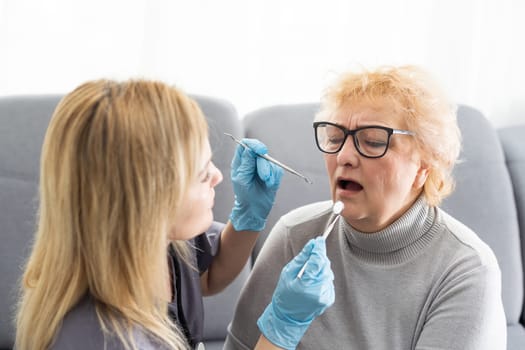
424,282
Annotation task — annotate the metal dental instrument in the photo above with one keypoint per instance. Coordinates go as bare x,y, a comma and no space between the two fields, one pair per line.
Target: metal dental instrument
270,159
336,209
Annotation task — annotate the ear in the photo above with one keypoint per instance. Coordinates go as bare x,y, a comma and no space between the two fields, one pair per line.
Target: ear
421,175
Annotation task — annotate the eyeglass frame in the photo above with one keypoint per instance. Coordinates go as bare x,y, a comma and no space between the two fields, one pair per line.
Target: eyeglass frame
352,133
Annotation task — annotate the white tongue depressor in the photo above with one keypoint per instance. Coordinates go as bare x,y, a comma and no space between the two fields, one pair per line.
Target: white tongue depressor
336,209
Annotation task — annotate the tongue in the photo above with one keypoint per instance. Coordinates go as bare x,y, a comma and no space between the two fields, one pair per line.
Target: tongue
353,186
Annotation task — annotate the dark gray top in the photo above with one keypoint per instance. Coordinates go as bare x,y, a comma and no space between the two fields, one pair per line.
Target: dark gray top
81,328
187,306
81,331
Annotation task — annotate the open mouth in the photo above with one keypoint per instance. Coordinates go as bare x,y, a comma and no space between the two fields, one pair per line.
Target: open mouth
349,185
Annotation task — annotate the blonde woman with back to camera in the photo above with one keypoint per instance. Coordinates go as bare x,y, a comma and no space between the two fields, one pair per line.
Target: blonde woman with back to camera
126,196
407,274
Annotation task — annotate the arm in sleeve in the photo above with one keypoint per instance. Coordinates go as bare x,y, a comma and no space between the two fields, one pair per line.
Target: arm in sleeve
243,332
233,253
467,313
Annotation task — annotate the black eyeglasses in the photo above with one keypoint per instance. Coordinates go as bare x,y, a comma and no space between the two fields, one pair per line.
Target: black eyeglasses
370,141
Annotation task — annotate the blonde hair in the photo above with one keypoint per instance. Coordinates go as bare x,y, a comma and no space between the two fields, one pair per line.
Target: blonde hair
425,108
116,160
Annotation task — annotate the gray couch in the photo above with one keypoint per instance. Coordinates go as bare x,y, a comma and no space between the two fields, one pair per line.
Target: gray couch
490,194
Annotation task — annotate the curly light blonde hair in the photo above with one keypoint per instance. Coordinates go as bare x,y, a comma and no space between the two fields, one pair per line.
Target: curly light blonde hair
426,110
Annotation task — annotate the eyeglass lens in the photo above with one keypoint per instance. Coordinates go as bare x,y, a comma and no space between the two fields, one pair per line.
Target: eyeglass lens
371,142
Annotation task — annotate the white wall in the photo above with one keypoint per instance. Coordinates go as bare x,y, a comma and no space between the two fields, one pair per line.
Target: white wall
262,52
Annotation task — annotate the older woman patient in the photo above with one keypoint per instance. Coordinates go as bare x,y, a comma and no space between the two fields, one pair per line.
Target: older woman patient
407,274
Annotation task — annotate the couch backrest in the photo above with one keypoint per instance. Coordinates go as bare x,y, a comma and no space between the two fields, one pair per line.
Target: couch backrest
513,141
23,122
288,133
482,200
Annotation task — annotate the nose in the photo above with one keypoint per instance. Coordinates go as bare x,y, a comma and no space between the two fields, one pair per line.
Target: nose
348,155
217,176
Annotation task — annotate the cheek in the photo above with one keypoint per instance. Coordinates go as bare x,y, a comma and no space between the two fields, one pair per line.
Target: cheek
380,181
194,216
200,207
397,179
200,195
331,171
386,178
330,163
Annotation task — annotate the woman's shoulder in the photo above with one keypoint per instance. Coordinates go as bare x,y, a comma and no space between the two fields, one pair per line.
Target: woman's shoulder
299,225
471,244
80,328
307,213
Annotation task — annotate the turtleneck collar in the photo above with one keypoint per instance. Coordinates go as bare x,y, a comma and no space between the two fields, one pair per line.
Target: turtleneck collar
399,241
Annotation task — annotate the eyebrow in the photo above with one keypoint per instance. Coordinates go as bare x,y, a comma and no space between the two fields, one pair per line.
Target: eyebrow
359,126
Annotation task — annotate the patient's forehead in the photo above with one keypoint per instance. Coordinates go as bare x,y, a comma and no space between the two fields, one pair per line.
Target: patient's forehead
379,111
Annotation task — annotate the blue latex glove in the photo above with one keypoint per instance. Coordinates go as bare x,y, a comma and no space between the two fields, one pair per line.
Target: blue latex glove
255,183
297,301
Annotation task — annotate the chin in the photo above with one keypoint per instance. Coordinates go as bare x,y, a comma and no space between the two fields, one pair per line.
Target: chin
206,223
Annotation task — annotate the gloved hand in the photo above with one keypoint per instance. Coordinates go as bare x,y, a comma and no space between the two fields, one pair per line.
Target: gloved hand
255,183
297,301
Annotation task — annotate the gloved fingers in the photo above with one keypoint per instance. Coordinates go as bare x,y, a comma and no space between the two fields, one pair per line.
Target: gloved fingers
317,271
318,265
244,160
296,264
256,145
325,298
315,246
244,166
318,289
236,161
270,173
320,245
319,296
318,257
302,299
